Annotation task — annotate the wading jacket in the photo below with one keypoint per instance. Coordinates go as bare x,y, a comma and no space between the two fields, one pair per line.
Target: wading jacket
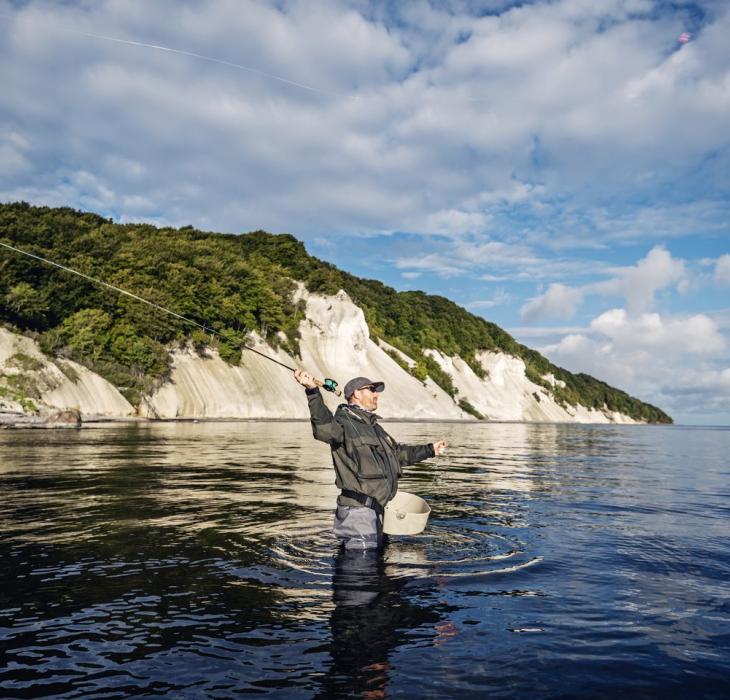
365,457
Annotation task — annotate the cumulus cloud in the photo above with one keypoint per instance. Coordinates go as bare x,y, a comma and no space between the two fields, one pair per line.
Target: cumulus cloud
558,301
659,358
658,338
637,284
663,358
640,283
693,335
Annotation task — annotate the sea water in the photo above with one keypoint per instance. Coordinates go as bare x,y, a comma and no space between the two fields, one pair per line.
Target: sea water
196,560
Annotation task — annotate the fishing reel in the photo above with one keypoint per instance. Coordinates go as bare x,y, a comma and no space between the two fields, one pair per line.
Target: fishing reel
329,385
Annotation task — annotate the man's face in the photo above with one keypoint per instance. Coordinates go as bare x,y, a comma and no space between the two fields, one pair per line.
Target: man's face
366,397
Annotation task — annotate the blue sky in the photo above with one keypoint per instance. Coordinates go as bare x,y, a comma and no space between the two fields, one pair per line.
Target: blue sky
561,168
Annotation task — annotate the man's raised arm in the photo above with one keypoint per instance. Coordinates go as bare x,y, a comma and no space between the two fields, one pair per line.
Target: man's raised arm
324,426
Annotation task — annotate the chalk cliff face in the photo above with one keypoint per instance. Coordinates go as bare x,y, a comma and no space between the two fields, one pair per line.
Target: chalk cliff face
335,342
506,394
28,380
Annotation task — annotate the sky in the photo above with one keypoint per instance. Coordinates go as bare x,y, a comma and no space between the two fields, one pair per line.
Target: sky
560,168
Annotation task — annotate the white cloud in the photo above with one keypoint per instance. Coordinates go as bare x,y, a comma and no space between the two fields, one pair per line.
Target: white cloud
693,335
640,283
558,301
722,269
658,358
455,114
637,284
474,254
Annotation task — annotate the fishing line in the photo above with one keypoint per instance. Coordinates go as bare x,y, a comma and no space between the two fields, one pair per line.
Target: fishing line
212,331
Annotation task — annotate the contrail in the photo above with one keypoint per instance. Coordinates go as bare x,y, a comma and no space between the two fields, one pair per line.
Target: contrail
202,57
192,54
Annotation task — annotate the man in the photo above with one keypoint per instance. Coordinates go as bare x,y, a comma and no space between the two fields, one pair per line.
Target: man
367,461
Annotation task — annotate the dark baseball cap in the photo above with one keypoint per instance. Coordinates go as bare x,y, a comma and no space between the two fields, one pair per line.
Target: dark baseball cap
359,382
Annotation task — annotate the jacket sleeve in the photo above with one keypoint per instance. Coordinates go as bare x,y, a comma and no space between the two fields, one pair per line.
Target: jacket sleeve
410,454
324,426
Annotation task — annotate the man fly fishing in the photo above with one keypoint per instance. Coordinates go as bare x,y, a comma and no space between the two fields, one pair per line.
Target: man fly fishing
368,462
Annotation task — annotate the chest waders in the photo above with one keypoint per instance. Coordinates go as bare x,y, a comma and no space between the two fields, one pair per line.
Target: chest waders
362,528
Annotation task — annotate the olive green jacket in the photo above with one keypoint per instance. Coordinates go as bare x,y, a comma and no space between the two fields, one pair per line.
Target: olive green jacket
365,457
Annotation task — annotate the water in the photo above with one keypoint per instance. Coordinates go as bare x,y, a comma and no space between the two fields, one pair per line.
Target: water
196,561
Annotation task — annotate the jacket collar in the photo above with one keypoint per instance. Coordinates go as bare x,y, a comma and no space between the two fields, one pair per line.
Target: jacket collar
359,413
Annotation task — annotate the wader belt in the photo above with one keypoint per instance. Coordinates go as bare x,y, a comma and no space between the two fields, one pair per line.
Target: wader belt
367,501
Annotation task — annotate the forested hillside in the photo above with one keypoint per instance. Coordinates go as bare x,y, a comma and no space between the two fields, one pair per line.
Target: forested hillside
233,284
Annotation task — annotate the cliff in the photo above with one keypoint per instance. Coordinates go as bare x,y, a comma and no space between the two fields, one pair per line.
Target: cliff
32,383
74,343
334,340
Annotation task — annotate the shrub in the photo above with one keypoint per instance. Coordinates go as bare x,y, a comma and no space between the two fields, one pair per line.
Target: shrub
25,362
464,405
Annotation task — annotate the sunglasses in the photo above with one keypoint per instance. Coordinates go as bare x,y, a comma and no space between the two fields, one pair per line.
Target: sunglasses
370,387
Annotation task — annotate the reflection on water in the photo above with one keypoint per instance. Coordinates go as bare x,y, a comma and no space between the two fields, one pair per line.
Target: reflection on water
197,560
370,619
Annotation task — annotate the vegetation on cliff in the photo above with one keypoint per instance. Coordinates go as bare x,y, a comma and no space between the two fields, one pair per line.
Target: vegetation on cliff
231,283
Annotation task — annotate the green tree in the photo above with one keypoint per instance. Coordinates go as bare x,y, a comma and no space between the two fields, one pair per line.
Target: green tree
86,333
26,303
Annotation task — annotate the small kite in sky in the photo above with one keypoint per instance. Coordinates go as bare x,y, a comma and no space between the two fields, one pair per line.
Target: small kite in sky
684,37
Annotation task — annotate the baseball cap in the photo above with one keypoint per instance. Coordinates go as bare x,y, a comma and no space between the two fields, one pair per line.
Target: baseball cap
359,382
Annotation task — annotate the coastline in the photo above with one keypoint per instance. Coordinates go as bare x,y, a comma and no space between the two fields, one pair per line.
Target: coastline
16,421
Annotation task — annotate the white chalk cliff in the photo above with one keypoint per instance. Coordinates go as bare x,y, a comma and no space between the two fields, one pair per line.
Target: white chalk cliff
28,378
335,342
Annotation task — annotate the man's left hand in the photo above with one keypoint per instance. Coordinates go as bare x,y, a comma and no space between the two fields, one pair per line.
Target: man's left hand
439,447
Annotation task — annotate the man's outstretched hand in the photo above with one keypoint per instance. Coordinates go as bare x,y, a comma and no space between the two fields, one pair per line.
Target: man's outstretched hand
439,447
304,378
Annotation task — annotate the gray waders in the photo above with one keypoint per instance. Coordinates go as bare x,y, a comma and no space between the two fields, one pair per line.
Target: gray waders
359,527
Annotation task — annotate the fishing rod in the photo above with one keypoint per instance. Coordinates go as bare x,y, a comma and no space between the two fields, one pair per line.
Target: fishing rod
327,383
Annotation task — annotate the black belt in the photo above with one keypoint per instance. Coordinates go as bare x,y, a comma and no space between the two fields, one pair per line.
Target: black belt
367,501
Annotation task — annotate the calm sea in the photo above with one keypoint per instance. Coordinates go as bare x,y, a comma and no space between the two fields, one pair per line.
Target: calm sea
190,560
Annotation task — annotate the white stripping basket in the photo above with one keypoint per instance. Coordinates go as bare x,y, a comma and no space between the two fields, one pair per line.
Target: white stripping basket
406,514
